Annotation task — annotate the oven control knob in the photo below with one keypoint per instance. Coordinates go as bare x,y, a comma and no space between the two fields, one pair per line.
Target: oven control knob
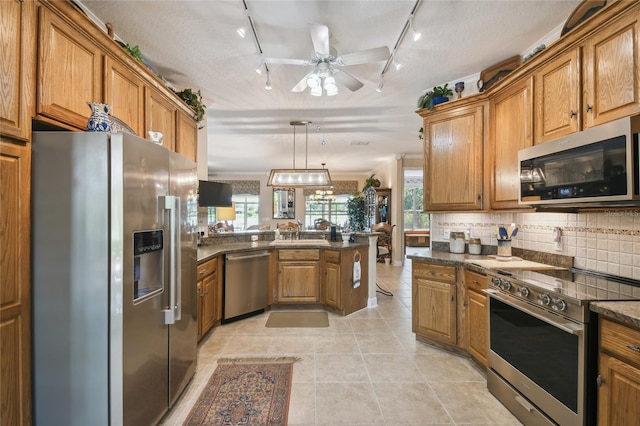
506,285
496,281
559,305
544,299
524,292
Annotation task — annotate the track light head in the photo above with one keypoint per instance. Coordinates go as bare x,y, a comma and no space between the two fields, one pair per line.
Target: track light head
380,86
267,85
242,31
416,34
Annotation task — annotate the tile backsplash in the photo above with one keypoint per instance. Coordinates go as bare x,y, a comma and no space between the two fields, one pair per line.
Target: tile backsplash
607,241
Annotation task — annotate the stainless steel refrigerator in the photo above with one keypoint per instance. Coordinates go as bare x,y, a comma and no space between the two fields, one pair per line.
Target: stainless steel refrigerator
114,278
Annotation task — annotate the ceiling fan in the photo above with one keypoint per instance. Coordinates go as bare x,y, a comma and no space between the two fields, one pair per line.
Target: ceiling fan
328,65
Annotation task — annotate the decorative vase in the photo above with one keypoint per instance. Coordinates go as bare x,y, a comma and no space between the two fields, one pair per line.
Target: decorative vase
438,100
100,120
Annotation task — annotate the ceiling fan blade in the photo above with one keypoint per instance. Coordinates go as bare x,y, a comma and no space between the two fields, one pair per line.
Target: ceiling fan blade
302,84
363,56
320,38
348,80
287,61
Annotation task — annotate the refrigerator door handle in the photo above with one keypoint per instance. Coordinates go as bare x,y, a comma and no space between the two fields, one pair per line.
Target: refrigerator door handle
173,313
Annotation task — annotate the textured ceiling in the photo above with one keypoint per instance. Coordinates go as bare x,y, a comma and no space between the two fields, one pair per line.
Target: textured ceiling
194,44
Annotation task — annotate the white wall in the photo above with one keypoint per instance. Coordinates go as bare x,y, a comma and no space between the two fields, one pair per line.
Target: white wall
607,241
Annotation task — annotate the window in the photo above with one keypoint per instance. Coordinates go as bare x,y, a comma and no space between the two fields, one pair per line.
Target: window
335,211
247,211
413,200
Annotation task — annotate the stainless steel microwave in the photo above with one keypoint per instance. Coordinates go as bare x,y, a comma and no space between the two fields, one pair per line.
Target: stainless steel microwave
600,165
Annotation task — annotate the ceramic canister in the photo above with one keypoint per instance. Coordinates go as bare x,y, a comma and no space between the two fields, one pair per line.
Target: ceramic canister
456,242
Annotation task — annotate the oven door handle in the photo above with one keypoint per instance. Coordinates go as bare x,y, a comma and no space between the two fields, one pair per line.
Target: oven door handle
570,328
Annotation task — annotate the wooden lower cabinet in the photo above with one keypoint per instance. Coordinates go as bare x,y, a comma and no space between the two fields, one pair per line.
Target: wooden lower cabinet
298,279
331,288
619,375
15,285
477,317
434,302
209,291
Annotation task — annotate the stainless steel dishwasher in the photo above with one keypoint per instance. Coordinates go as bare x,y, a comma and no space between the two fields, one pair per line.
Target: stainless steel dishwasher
245,284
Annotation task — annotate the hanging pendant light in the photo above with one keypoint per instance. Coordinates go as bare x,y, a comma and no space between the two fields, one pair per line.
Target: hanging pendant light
299,178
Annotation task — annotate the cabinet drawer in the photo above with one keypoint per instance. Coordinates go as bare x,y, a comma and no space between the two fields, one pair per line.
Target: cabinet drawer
444,273
620,340
207,268
332,256
304,254
475,281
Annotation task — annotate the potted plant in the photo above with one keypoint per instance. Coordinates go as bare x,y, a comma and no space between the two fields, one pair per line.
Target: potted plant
194,100
438,95
133,51
355,212
371,181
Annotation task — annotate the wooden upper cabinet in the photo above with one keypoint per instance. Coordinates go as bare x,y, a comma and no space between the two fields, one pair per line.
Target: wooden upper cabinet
160,116
186,135
511,130
453,150
124,91
69,72
612,72
557,87
17,79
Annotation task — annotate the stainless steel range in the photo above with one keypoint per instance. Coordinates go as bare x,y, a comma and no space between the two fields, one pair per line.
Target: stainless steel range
543,342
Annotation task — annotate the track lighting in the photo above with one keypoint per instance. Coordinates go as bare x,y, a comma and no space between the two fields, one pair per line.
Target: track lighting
380,86
397,65
241,31
416,34
267,85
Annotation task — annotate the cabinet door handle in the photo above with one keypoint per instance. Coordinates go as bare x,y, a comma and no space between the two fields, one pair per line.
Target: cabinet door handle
452,298
204,271
634,348
589,108
465,303
572,114
599,380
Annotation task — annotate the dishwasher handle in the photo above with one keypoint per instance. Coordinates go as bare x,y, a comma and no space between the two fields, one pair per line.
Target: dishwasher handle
244,256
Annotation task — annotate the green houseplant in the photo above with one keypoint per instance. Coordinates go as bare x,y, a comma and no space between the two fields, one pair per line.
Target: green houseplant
194,100
438,95
133,51
355,212
371,181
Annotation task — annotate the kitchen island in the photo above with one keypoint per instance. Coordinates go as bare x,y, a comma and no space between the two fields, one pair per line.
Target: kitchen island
305,273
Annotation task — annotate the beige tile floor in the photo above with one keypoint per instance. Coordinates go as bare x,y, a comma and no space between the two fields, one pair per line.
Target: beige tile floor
364,369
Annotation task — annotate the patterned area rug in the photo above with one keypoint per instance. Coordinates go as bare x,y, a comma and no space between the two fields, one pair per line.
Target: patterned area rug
245,391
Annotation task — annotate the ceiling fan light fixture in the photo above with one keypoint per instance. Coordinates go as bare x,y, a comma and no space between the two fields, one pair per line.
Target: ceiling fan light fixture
316,91
331,89
313,81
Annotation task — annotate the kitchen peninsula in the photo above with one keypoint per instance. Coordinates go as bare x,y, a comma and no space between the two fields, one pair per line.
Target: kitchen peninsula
311,272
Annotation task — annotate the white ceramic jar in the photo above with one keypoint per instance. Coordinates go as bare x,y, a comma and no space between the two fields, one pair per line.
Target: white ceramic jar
456,242
475,246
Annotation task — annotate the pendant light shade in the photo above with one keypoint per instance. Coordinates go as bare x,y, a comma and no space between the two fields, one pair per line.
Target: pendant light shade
299,178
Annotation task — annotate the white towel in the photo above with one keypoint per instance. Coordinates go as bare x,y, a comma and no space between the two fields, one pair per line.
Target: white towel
356,274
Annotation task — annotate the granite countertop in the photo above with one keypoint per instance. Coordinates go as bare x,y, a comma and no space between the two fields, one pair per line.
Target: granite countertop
627,312
205,252
447,258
